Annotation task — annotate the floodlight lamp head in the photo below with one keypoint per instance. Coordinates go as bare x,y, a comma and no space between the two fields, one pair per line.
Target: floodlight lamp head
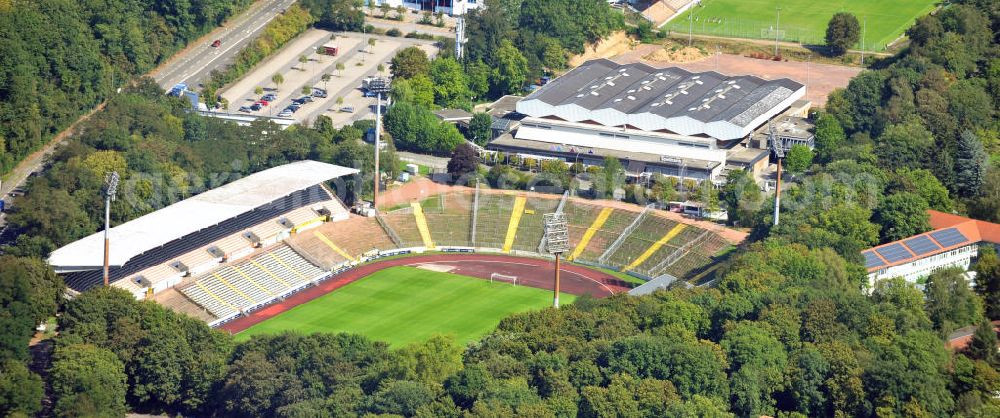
111,185
380,85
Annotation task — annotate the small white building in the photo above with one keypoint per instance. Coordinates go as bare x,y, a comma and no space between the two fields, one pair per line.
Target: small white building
954,242
451,7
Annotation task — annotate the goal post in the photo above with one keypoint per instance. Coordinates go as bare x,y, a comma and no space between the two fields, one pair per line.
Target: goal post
503,278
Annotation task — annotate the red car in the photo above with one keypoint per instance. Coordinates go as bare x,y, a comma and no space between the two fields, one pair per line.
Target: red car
216,43
263,102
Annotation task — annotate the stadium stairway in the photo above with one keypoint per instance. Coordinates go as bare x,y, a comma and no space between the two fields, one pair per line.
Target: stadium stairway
602,217
425,232
656,246
515,219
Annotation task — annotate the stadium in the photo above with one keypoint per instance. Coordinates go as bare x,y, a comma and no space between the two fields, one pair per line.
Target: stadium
270,243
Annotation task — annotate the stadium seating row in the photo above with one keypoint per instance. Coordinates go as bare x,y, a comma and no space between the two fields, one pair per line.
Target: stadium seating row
251,283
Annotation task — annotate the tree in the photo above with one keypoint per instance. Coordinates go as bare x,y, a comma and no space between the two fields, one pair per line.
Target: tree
949,302
829,137
400,11
258,90
478,76
326,77
798,159
277,79
923,183
902,215
463,160
340,69
481,128
302,62
450,86
983,345
970,165
905,145
340,100
384,8
612,178
409,62
380,68
511,70
88,381
742,198
371,45
988,281
842,32
306,90
21,391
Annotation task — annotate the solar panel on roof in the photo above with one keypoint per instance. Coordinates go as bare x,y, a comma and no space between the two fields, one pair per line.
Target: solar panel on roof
894,252
872,260
921,245
949,237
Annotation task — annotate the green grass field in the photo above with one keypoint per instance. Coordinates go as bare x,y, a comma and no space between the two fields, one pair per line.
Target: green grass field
801,20
401,305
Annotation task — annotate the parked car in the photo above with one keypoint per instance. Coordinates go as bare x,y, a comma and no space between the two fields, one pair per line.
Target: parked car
294,107
319,93
216,43
269,97
245,109
255,107
285,113
347,109
263,102
306,99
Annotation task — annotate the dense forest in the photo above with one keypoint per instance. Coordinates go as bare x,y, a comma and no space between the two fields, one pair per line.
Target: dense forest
791,327
62,57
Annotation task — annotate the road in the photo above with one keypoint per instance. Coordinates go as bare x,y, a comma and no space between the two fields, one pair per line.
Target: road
194,64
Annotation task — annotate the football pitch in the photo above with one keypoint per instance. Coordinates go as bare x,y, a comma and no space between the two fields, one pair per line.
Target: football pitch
401,305
801,21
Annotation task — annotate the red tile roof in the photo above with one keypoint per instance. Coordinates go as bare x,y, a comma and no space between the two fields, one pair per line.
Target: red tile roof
975,230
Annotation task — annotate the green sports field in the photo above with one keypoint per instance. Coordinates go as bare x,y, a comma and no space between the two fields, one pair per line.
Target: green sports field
400,305
801,20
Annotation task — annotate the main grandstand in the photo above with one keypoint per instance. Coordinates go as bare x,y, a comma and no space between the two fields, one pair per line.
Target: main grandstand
181,247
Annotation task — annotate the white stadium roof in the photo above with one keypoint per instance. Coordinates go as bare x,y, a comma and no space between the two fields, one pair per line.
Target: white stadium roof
193,214
654,99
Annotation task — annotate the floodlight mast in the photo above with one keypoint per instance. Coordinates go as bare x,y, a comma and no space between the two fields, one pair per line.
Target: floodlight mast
779,154
557,242
379,86
110,190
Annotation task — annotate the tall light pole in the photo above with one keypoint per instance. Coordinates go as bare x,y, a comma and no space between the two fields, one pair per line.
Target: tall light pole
110,190
777,29
380,86
864,26
779,154
556,242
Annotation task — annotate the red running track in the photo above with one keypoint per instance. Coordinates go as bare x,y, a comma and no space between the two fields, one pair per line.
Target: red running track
533,272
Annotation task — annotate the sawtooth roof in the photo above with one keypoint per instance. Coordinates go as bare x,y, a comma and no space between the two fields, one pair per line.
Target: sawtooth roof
671,98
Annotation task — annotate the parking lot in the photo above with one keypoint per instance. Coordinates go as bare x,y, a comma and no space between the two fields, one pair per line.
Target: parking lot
358,58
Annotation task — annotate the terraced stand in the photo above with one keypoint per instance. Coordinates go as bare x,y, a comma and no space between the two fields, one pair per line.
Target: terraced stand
617,221
449,217
403,222
531,228
648,233
493,219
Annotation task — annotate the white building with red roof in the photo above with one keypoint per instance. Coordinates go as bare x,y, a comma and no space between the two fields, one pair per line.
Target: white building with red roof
953,242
